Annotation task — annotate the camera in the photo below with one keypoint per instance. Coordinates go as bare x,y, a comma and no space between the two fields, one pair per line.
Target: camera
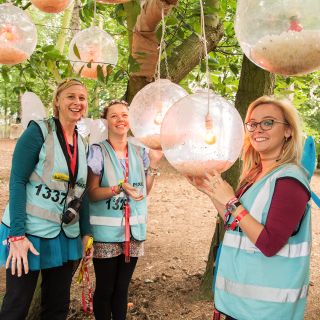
72,211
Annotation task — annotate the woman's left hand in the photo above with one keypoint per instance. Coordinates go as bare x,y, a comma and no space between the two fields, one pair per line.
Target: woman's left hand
87,254
155,157
221,189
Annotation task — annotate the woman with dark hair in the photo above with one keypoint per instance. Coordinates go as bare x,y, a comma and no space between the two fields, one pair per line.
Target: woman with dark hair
120,177
42,227
263,269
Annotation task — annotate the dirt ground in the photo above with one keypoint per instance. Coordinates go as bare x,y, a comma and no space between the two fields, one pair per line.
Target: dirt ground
166,282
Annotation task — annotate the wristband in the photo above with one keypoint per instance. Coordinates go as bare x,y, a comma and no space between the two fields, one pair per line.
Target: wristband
238,218
15,238
153,172
231,201
113,190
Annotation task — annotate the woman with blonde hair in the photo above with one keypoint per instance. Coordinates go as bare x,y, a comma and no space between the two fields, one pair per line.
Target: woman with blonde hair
263,270
42,226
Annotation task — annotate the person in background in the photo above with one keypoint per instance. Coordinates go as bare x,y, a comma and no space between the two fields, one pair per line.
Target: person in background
120,177
42,228
263,269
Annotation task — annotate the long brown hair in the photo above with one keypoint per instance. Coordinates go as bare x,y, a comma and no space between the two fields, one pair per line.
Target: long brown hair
292,147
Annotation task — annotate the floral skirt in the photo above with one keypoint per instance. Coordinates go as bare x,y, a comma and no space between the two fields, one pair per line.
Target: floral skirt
113,249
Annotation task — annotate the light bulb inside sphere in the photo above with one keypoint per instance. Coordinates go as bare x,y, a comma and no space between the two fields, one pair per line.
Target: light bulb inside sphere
148,108
195,146
18,35
286,36
210,137
158,118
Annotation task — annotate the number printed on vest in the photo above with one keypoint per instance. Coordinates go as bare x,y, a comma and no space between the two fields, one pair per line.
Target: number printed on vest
53,195
116,203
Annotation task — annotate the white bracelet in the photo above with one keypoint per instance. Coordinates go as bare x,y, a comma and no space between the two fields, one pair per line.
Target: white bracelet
153,172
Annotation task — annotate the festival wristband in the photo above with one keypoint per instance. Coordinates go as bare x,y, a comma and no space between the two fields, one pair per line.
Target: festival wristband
113,190
15,238
238,218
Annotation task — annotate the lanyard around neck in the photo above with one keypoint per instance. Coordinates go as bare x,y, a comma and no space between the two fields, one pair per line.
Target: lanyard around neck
126,162
72,156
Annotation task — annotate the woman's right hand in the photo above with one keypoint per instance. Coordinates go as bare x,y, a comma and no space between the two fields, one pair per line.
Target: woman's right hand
18,256
132,191
203,184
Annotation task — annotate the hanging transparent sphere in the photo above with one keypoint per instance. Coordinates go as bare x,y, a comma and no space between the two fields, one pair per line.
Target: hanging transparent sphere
196,142
113,1
281,36
51,6
148,108
18,35
96,48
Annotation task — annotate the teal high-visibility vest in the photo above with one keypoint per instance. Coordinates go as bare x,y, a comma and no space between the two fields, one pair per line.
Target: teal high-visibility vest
107,216
251,286
47,191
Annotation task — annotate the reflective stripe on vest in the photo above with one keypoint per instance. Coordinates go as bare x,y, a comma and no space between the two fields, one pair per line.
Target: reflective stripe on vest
289,250
39,212
261,293
116,222
48,164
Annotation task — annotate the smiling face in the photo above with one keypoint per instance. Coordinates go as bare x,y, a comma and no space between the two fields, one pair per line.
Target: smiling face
268,143
118,120
72,103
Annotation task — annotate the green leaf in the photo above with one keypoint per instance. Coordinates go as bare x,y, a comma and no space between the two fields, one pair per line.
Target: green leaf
134,66
76,51
100,74
234,69
5,75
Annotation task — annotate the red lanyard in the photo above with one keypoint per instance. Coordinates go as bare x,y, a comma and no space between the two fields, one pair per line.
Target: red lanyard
126,212
73,157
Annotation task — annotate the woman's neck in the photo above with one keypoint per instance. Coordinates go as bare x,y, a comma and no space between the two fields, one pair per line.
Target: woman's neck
68,128
119,144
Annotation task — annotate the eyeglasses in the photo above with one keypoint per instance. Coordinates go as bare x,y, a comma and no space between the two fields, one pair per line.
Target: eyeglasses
265,125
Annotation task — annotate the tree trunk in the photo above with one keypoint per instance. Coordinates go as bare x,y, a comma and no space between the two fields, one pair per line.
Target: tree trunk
183,60
254,82
66,19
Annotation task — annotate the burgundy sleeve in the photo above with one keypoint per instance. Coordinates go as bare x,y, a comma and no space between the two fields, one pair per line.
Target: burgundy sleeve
286,211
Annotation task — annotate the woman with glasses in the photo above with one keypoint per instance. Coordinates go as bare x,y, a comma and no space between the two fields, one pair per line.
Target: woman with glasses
42,227
120,177
263,270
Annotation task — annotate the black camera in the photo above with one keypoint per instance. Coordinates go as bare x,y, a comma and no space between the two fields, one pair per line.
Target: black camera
72,210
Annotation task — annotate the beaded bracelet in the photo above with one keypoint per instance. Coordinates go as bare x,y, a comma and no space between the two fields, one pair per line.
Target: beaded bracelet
153,172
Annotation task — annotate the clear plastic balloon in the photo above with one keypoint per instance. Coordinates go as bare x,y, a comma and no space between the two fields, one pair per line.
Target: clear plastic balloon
113,1
148,108
31,108
281,36
196,146
96,48
83,126
51,6
18,35
98,130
